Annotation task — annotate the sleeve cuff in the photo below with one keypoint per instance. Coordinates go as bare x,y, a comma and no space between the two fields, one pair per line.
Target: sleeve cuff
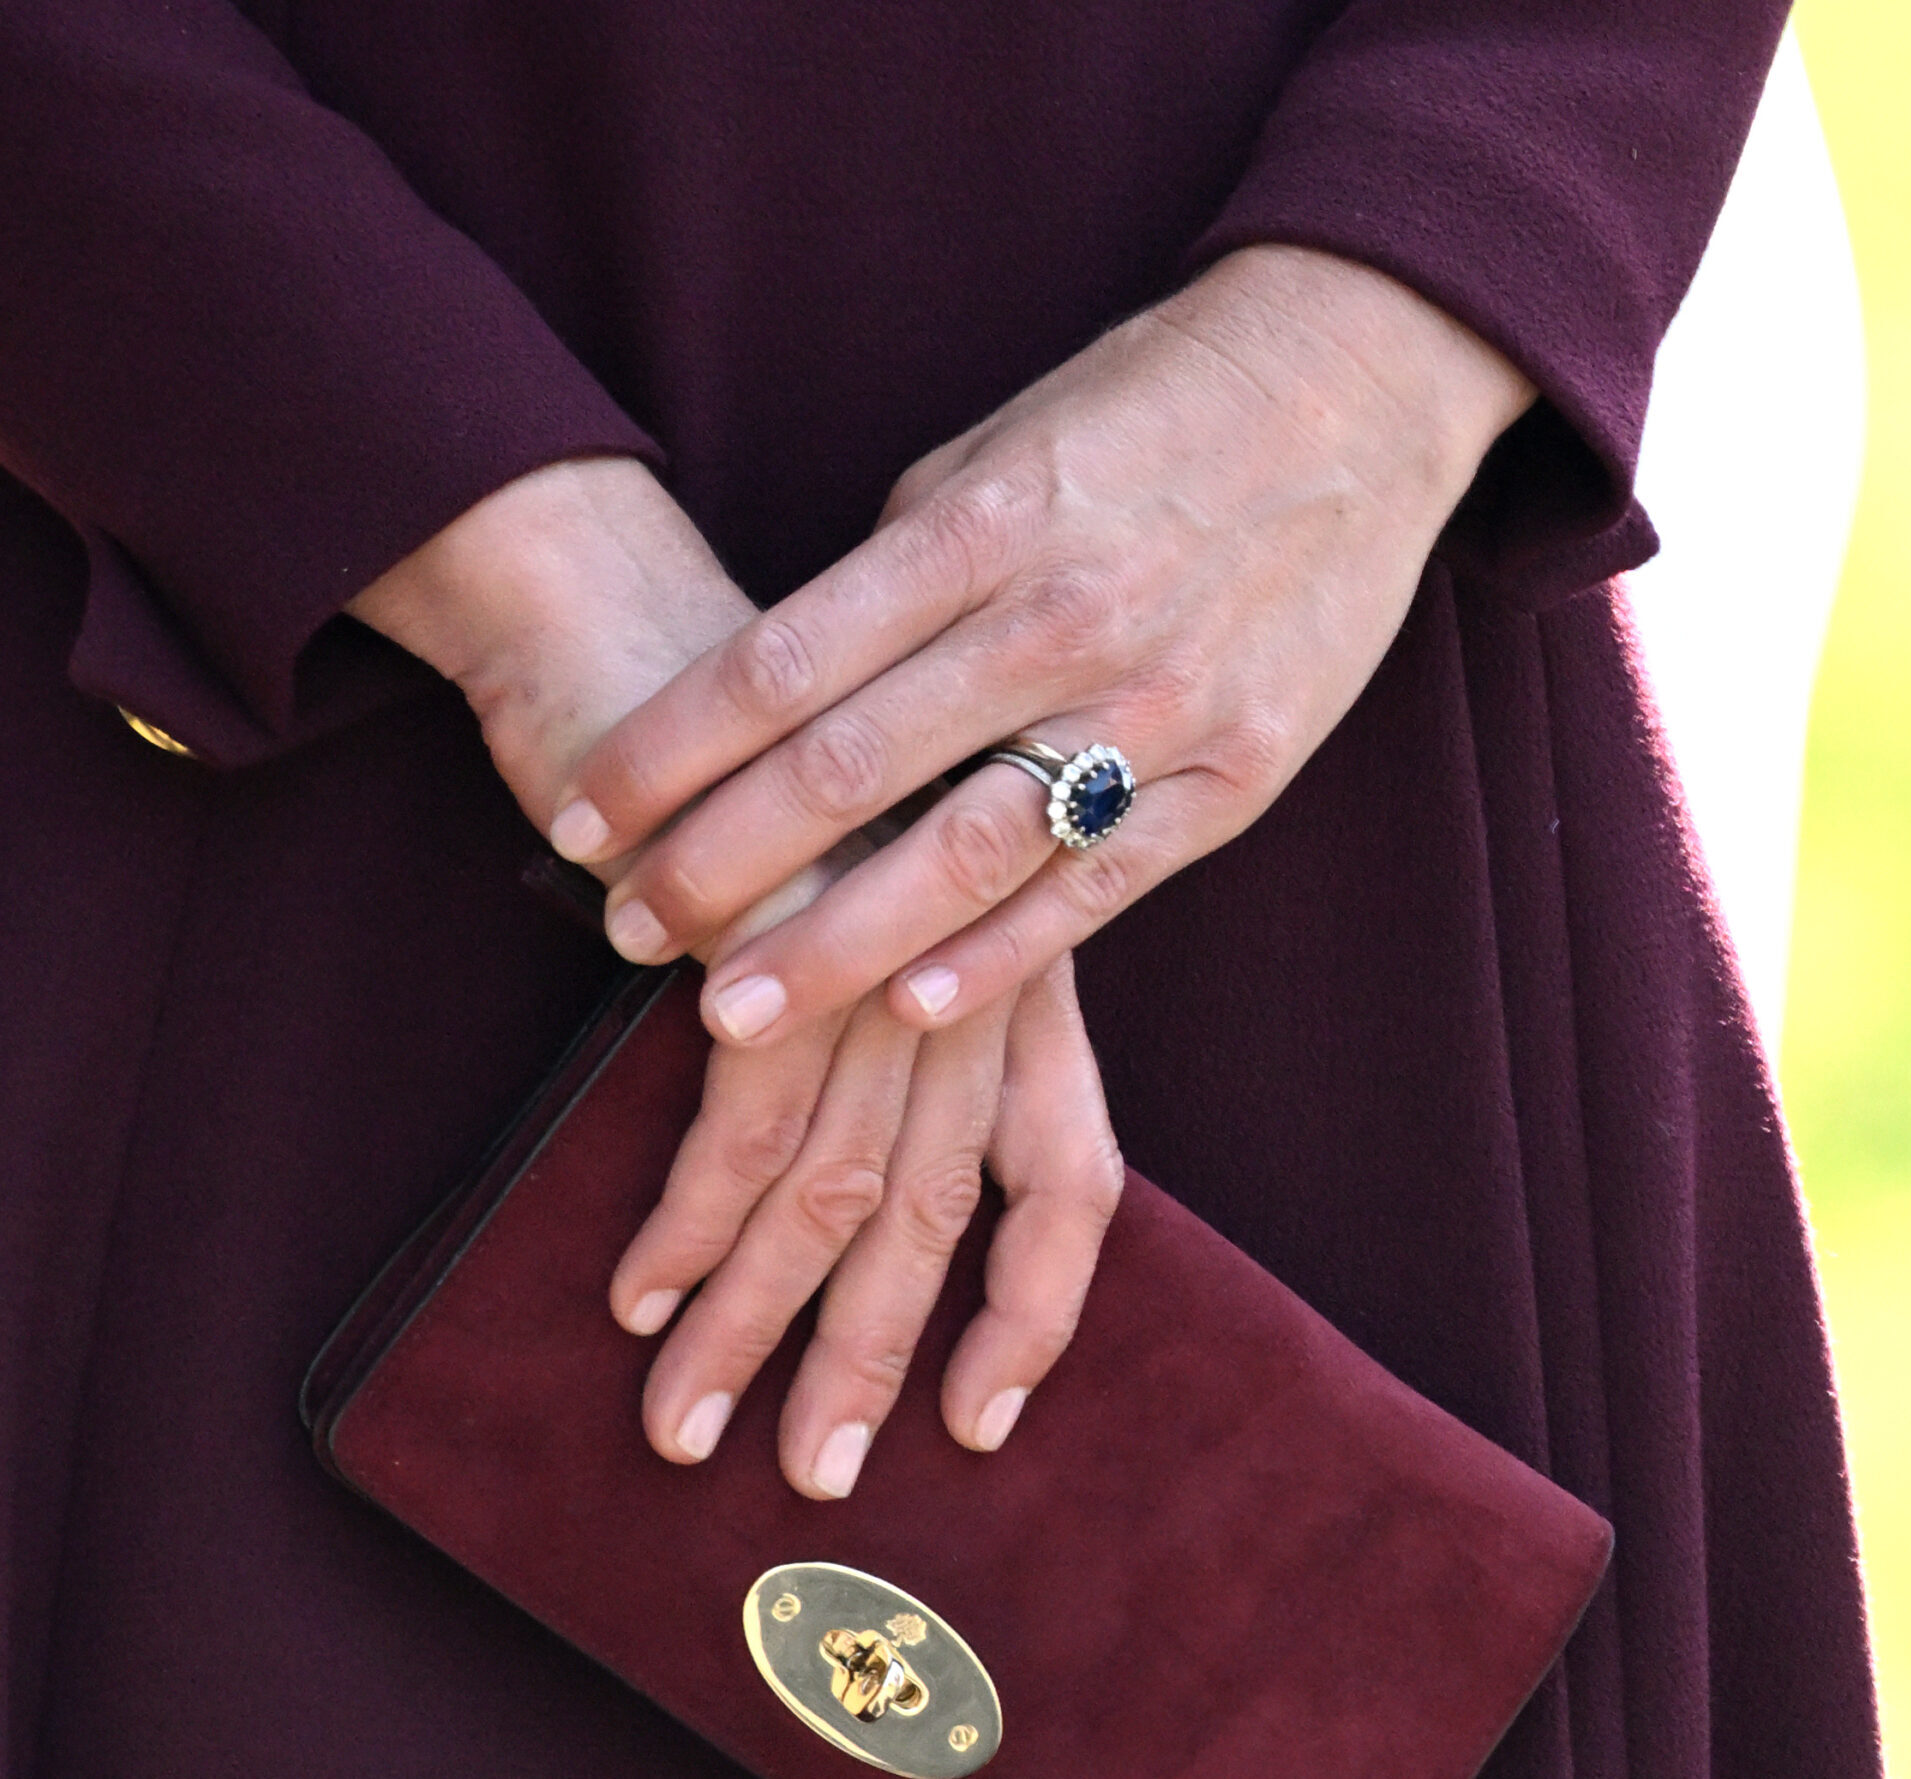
249,679
248,362
1552,189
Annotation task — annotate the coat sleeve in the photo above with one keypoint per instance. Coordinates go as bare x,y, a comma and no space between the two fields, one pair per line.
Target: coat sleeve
1547,171
246,362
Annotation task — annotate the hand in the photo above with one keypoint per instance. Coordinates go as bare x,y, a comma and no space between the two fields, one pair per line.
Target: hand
556,604
857,1158
1194,540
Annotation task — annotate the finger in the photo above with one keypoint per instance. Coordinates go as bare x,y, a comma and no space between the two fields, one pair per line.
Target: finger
879,604
789,1242
882,1290
1174,821
756,1113
831,777
748,1131
1029,659
958,860
1055,1156
968,853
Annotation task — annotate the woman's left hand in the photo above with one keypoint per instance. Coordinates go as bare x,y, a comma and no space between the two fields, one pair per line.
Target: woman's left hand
1193,541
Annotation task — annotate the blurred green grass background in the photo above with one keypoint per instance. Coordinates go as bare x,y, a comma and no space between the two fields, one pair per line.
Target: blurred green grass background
1846,1062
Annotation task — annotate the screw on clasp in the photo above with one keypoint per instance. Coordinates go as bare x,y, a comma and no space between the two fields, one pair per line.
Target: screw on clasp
869,1678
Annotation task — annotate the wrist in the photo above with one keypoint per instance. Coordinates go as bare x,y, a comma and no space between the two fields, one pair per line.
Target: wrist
1387,373
567,545
556,604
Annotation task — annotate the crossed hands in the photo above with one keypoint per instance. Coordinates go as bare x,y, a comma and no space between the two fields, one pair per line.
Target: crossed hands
1194,540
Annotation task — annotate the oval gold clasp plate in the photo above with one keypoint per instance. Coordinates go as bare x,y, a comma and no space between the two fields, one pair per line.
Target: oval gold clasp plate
872,1670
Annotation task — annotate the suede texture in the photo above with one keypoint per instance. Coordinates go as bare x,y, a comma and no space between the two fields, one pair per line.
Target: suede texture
1222,1542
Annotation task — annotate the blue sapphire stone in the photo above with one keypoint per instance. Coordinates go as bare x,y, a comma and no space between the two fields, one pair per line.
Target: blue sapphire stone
1101,799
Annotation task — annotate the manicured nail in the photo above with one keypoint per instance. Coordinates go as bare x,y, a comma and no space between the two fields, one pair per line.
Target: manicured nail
578,831
934,988
636,932
996,1421
703,1426
841,1458
653,1310
746,1006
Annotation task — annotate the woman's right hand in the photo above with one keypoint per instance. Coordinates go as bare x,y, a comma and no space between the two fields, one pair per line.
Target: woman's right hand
555,605
851,1153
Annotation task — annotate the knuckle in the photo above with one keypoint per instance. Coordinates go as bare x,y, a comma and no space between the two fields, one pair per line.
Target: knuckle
1096,884
1074,612
915,484
1257,749
981,851
1099,1176
1165,690
836,767
1017,497
1010,957
878,1361
960,531
752,1334
760,1153
835,1202
621,774
1046,1321
675,892
694,1249
935,1207
769,670
1052,1323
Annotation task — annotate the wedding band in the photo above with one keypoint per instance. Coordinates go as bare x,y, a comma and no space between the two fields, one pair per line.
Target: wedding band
1088,792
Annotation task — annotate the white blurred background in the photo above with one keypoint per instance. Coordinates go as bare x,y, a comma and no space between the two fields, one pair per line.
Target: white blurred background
1750,469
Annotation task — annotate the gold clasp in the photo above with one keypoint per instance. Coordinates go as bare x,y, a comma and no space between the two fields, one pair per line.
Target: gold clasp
151,732
907,1694
871,1677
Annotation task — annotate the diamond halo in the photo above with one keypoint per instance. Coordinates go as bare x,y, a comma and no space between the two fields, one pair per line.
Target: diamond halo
1089,796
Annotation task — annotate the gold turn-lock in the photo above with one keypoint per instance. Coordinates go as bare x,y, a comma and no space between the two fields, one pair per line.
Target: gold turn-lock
871,1677
872,1670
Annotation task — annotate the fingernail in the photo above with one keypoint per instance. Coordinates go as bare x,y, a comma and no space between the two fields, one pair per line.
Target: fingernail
998,1418
703,1426
653,1310
934,988
745,1007
578,831
841,1458
636,933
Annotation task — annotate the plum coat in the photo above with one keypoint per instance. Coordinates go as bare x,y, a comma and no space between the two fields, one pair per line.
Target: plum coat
1450,1039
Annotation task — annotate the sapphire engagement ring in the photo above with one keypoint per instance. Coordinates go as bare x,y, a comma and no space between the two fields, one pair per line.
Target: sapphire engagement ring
1088,793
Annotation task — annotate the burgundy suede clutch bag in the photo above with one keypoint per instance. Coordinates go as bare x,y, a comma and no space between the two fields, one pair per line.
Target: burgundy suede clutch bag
1222,1541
